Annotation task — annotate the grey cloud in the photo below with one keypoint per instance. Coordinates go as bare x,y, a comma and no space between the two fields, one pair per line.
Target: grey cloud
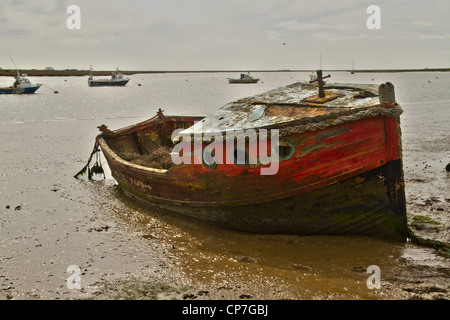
205,33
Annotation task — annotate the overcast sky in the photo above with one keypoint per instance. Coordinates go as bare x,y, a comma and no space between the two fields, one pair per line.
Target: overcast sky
225,34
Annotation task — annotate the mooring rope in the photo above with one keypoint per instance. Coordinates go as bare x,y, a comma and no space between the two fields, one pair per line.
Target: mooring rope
369,113
317,123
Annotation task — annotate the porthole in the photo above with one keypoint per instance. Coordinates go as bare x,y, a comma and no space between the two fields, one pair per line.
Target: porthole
209,158
285,149
237,157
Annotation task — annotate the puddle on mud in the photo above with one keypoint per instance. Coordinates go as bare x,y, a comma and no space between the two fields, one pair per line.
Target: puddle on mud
230,264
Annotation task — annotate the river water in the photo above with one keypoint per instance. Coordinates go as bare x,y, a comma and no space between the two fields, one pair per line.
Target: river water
50,221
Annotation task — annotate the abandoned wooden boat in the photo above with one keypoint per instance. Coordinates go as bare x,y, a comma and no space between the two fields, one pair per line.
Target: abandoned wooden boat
117,80
244,78
339,161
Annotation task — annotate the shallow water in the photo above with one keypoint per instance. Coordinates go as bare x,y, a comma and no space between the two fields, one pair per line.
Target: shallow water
55,221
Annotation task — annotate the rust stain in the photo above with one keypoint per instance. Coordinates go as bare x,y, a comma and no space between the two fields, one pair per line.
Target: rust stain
296,112
329,96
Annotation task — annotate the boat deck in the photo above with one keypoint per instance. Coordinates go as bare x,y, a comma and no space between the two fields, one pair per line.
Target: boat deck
293,102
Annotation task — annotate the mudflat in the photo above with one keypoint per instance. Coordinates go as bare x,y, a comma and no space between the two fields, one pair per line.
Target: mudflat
50,221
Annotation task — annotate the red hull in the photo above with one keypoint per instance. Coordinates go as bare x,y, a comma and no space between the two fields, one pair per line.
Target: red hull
321,158
349,154
345,177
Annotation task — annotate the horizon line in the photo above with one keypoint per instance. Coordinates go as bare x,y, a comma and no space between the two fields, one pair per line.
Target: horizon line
52,71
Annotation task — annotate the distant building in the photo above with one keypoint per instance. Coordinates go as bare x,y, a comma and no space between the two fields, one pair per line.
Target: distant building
49,68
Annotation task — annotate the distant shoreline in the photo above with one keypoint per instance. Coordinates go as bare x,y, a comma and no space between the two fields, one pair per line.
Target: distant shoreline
79,73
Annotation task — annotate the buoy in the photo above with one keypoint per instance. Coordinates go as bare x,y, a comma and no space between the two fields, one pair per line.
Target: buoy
54,91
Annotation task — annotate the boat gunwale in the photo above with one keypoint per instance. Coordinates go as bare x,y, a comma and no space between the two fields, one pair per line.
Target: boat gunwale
107,150
133,128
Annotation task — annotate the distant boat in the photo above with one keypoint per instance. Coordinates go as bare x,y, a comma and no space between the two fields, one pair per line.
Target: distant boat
21,86
245,78
353,68
117,80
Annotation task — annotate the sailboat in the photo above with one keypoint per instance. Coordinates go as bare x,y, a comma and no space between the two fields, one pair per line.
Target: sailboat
21,86
353,68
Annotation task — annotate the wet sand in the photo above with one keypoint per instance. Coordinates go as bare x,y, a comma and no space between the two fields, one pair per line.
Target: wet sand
50,221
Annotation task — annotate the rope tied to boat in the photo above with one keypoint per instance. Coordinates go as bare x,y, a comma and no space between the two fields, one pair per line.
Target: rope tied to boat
319,123
97,168
394,112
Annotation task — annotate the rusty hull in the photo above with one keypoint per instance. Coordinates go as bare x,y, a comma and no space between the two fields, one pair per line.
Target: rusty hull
345,179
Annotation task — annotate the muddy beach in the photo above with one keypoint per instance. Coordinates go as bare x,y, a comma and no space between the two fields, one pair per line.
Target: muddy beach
50,221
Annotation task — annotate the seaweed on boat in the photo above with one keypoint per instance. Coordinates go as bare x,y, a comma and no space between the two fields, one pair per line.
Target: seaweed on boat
159,158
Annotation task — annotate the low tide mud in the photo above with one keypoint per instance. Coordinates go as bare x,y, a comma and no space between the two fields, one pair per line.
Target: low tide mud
50,221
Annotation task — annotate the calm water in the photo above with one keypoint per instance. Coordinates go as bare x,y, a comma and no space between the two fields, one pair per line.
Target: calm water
55,221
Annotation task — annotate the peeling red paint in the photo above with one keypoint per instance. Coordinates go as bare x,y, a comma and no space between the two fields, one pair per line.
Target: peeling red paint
360,154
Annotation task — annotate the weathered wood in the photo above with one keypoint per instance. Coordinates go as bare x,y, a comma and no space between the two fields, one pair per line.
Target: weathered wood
387,93
329,96
346,178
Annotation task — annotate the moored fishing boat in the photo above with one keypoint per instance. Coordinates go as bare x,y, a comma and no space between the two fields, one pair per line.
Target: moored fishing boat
286,161
117,80
21,86
244,78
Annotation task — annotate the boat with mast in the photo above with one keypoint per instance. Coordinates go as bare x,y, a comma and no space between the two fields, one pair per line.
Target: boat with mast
117,80
21,86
